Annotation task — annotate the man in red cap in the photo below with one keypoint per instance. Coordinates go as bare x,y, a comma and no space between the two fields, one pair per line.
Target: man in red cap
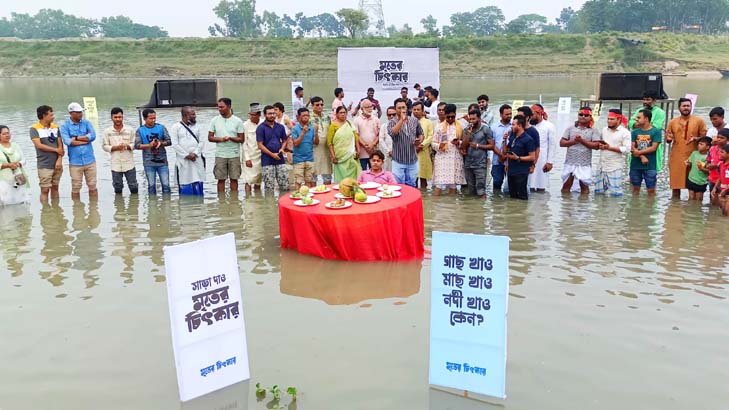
615,144
579,140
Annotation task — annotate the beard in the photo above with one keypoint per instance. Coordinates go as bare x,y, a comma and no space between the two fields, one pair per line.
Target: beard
193,121
533,122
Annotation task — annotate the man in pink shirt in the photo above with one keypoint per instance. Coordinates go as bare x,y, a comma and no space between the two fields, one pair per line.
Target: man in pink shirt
339,100
376,173
368,129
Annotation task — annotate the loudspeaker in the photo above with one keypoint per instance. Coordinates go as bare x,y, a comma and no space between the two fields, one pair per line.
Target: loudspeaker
630,86
179,93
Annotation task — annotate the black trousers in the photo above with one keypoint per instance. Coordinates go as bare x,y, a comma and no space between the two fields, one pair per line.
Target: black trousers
518,186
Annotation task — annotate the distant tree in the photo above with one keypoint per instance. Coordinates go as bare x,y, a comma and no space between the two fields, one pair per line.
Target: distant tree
353,20
6,28
326,24
278,27
567,19
526,24
239,19
51,24
405,31
122,26
430,25
392,30
484,21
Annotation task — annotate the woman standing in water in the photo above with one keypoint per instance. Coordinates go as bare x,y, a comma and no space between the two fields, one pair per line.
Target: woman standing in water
343,144
14,186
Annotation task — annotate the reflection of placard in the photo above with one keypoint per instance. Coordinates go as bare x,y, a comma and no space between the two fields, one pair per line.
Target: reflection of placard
468,306
91,112
693,98
206,315
596,112
565,105
295,84
515,105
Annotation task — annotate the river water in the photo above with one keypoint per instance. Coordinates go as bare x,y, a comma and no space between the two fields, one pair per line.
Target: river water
615,303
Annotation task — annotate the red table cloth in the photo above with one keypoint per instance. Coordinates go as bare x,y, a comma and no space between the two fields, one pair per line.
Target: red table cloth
391,229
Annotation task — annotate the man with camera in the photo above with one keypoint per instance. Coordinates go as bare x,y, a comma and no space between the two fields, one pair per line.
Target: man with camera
152,138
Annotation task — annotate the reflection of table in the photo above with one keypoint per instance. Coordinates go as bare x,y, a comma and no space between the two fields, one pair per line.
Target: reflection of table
391,229
344,283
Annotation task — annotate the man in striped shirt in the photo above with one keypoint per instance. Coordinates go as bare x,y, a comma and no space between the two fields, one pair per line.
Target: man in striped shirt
406,134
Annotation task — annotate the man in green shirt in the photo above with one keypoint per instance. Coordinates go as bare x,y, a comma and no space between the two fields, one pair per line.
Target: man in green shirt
228,133
645,142
658,120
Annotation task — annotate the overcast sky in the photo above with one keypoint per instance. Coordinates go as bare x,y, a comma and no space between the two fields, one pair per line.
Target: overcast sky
192,18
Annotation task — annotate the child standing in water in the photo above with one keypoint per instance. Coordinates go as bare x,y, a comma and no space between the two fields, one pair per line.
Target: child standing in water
698,173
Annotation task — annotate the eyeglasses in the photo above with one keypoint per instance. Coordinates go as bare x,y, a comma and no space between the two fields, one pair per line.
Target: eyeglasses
391,115
585,115
451,117
318,104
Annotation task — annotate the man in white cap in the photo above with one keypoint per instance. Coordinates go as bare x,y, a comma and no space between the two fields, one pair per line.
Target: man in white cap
78,134
251,154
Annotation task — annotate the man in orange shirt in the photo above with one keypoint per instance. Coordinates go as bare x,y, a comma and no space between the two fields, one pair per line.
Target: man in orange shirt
682,134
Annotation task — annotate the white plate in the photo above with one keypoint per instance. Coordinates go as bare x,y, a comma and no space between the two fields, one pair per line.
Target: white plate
347,204
341,196
301,203
298,197
370,185
320,192
391,188
371,199
335,187
395,194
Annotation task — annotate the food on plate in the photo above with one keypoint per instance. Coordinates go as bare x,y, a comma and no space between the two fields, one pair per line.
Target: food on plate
304,190
307,200
388,193
296,195
339,203
360,197
385,187
349,187
320,188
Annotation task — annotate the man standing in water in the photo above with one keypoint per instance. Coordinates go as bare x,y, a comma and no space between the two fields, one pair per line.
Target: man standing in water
425,162
78,134
683,133
487,116
658,119
119,143
406,134
226,130
188,147
46,137
371,98
368,129
501,131
271,138
251,155
716,116
152,138
615,143
322,158
645,141
539,180
579,140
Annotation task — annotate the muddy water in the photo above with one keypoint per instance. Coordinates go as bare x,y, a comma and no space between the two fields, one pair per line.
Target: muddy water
615,303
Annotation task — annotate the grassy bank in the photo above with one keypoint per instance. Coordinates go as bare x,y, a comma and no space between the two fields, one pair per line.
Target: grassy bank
557,54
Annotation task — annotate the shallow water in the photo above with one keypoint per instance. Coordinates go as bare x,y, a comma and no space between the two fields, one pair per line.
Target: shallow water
615,303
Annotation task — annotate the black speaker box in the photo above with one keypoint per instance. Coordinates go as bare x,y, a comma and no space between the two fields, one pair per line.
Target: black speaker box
179,93
630,86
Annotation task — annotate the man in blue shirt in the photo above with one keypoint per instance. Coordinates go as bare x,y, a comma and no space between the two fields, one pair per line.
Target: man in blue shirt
305,137
271,138
500,129
152,138
78,134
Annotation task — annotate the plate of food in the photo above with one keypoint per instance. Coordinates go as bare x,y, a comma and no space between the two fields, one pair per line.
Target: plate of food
299,195
338,204
308,201
389,194
370,185
370,199
321,189
340,195
386,187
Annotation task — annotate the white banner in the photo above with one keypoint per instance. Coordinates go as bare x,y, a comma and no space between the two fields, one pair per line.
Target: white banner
387,70
294,85
206,315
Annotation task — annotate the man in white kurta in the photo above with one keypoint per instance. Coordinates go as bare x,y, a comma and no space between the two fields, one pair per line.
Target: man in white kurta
615,146
251,154
539,180
188,146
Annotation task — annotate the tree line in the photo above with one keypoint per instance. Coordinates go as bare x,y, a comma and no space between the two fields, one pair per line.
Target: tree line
54,24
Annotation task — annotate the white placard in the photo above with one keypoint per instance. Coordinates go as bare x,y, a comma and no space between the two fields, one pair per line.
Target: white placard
206,315
565,105
294,84
387,70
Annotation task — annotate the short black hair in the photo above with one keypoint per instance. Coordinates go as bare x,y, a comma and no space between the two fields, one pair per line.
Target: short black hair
400,100
650,94
338,91
419,103
683,100
472,105
434,92
482,97
302,110
718,111
316,99
724,132
521,120
116,110
705,140
340,108
450,109
474,111
526,110
504,108
441,104
403,89
370,89
299,88
280,106
147,111
227,101
392,107
616,111
725,148
3,127
416,85
266,108
43,110
378,153
647,113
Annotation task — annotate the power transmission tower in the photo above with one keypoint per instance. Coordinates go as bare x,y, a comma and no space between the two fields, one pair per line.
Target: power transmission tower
373,8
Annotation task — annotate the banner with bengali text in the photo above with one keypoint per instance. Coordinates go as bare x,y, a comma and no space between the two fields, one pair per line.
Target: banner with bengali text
206,315
468,309
387,70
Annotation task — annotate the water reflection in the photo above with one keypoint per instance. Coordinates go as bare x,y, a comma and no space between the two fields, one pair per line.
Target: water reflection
126,231
15,223
347,283
86,245
56,246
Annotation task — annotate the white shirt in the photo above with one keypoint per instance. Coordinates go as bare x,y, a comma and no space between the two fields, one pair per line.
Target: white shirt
619,138
184,144
250,151
712,132
547,141
433,110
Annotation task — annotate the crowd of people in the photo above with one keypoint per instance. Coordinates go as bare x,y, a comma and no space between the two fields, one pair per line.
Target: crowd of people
422,142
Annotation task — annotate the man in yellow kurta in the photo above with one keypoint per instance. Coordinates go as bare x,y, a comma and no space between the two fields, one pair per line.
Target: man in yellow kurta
425,164
682,134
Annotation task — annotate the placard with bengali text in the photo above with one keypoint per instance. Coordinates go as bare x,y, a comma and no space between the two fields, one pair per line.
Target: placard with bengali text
468,309
206,315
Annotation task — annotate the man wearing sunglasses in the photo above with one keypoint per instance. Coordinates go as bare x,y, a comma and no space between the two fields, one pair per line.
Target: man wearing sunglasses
579,140
49,152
